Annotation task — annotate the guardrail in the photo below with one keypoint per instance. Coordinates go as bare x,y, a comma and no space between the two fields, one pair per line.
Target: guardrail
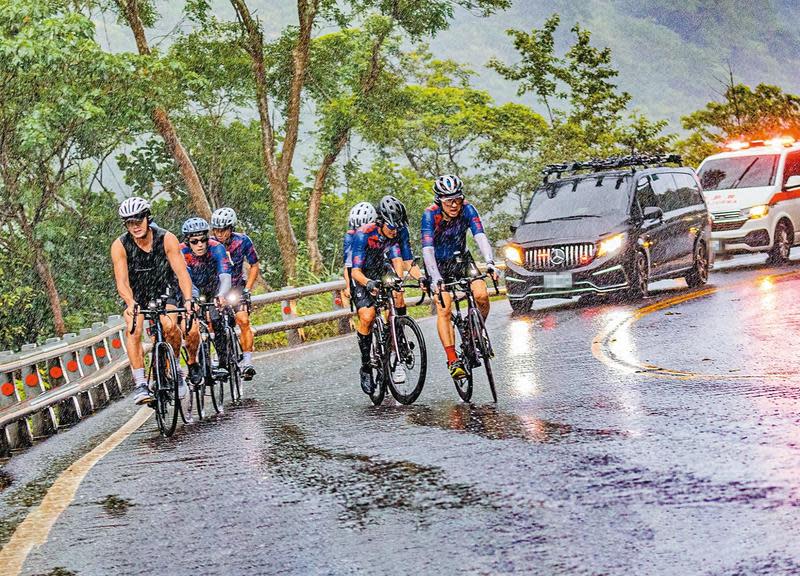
44,389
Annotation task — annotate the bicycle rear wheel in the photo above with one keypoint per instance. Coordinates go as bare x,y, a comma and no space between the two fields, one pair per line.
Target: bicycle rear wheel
165,389
234,356
204,361
484,348
380,362
412,364
215,389
466,353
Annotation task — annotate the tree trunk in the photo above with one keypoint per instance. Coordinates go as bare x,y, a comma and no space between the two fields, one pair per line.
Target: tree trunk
314,202
278,170
194,186
42,267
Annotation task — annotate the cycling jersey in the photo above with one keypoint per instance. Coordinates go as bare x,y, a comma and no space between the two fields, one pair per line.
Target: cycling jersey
447,237
404,241
368,250
442,238
209,271
149,273
240,248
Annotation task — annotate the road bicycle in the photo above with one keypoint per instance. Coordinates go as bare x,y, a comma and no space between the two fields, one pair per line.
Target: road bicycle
163,376
473,343
397,342
232,355
213,383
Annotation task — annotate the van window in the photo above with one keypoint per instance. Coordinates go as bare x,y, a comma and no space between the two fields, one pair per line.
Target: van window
739,172
645,195
792,167
687,189
665,189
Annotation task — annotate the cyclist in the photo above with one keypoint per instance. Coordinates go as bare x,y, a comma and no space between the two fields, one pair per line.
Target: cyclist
147,263
210,270
361,214
444,232
372,244
240,248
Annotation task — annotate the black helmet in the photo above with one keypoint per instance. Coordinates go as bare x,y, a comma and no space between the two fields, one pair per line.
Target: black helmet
392,211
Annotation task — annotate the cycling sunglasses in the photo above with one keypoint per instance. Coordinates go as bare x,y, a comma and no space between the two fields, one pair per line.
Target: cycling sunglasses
134,220
196,241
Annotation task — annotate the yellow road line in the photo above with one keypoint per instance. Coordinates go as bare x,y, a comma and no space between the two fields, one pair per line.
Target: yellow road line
34,530
600,343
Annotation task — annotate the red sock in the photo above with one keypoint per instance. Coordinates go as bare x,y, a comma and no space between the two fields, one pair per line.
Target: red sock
451,354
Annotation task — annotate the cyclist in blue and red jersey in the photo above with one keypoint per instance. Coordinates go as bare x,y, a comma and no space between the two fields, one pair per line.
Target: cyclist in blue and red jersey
444,234
361,214
372,245
239,248
210,271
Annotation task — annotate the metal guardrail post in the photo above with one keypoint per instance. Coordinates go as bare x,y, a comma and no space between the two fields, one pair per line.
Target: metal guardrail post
42,423
9,437
115,348
88,363
73,371
294,336
344,326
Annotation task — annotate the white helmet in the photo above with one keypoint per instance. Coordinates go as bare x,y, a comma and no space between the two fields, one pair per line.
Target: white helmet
223,218
134,206
361,214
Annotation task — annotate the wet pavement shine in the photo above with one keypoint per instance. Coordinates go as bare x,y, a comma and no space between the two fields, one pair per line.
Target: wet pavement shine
657,438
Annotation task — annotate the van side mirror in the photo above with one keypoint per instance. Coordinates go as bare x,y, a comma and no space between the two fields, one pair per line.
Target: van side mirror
653,213
513,227
792,183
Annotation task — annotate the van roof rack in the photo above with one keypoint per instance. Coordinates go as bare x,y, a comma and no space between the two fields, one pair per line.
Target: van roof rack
598,165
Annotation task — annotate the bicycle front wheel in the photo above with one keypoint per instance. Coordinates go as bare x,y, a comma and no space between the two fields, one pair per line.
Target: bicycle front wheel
380,362
466,353
485,348
407,372
234,372
165,389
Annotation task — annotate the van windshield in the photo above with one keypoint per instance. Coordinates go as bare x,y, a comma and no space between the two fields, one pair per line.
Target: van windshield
739,172
593,197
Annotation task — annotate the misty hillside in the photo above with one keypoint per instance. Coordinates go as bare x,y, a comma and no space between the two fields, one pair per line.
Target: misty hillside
672,55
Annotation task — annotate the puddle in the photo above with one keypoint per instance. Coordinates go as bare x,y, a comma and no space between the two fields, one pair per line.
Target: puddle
115,505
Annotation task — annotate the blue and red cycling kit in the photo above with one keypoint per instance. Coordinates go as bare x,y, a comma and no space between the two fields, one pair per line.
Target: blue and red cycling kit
211,272
403,241
368,249
240,248
443,237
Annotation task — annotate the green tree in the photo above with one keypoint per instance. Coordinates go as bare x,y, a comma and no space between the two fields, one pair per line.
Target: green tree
744,113
64,106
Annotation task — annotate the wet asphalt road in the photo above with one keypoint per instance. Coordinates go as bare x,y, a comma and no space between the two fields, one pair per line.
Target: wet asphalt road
659,441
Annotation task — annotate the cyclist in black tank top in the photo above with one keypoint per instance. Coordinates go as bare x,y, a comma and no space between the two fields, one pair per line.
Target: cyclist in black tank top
147,264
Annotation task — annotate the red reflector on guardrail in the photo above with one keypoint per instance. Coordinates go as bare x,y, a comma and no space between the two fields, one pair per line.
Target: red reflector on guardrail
287,310
32,379
101,352
7,388
56,372
116,343
88,359
72,366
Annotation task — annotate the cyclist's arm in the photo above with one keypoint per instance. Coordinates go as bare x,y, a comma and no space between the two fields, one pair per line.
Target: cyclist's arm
476,226
358,252
120,261
252,259
223,268
178,264
358,276
252,276
428,250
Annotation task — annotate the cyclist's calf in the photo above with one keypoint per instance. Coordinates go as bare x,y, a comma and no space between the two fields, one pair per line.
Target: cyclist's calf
246,339
481,295
366,316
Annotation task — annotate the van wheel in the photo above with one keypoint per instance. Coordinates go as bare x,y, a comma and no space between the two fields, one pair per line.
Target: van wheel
520,306
698,275
782,244
638,277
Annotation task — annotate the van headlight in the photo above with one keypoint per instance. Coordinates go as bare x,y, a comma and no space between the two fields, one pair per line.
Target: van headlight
610,245
513,253
756,211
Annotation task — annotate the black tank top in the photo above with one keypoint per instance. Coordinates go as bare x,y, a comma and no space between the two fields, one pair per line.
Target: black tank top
149,273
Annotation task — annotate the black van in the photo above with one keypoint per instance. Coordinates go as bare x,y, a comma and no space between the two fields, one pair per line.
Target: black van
609,226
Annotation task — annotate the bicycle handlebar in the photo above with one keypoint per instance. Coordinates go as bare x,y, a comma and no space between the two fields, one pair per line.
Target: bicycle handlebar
151,313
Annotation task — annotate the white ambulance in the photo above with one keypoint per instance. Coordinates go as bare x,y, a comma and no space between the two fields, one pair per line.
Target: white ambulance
753,195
